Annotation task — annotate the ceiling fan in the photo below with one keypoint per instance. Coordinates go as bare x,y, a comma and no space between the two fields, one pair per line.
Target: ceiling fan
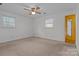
32,10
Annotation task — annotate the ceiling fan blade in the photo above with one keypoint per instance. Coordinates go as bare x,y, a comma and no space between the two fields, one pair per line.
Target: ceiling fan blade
41,12
30,13
38,12
27,9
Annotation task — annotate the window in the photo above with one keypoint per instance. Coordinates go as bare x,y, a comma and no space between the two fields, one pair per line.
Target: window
8,21
49,23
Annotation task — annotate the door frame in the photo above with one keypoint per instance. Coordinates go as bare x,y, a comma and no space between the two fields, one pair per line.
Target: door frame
73,31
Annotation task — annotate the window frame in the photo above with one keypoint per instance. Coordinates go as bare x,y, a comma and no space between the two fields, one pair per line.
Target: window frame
7,24
51,22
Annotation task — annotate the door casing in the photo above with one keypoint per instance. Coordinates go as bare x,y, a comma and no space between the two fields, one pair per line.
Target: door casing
70,39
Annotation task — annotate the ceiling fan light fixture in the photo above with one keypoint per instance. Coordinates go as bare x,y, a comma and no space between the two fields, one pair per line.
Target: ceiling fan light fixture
33,13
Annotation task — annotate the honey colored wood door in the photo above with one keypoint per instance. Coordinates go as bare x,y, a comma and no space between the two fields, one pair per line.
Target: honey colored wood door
70,26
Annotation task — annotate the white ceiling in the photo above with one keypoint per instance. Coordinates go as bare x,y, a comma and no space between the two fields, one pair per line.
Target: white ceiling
18,8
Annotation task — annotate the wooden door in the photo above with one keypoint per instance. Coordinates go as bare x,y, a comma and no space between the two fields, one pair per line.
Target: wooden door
70,26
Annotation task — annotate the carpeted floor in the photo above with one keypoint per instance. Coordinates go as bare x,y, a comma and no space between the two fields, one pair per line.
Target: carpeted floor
35,46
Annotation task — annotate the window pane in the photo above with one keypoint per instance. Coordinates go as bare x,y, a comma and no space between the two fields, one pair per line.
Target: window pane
9,21
49,23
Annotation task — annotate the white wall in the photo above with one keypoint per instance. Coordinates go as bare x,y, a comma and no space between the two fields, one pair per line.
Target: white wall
77,36
55,33
23,28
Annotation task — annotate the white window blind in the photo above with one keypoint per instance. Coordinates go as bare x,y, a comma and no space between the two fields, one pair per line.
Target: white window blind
7,21
49,23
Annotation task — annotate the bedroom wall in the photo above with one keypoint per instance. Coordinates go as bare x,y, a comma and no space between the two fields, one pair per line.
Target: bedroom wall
55,33
23,28
77,31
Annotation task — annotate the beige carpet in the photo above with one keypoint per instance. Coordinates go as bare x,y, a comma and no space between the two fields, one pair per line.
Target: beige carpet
36,47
